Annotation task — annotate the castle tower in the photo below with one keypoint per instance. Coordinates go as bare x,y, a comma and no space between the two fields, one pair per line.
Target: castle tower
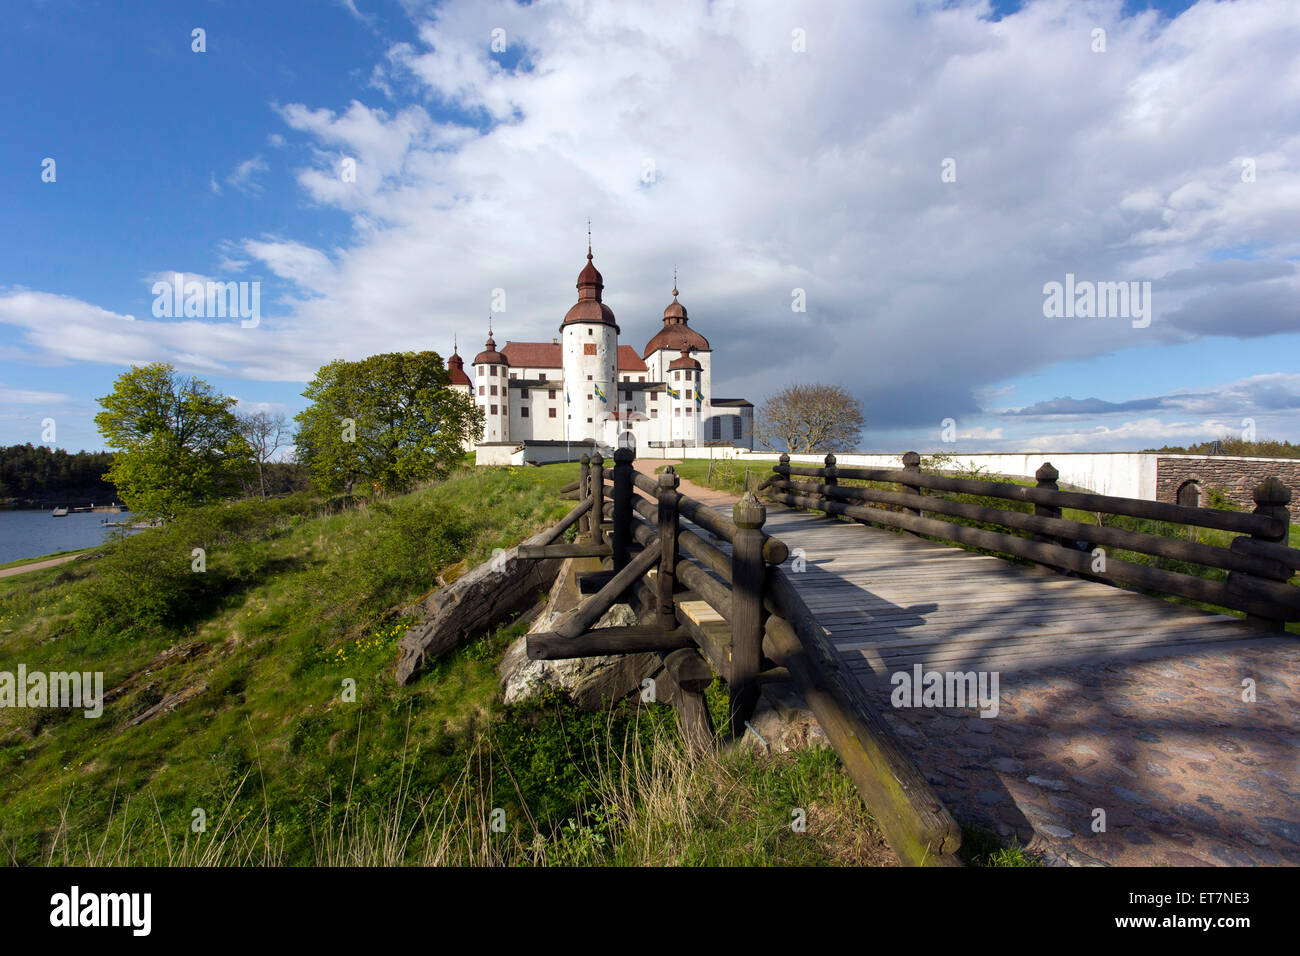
589,349
490,370
460,382
685,377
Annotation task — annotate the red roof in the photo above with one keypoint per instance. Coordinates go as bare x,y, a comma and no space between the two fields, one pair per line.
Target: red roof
550,355
456,368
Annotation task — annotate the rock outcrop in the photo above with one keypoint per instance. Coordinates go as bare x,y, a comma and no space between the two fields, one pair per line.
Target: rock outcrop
472,604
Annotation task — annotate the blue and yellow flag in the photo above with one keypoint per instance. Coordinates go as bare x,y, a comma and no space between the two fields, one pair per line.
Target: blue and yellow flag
566,397
672,392
699,399
601,395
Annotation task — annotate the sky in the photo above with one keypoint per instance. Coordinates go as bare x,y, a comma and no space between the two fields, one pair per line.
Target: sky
873,194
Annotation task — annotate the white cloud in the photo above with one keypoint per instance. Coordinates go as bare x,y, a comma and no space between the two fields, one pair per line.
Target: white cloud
242,176
775,169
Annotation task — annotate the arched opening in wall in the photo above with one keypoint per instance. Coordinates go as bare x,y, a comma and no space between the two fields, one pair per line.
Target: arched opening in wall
1189,494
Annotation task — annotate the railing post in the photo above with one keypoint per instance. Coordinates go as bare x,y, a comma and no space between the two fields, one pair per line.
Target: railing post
747,578
912,463
1046,477
783,467
666,576
1271,499
584,492
831,478
597,511
622,506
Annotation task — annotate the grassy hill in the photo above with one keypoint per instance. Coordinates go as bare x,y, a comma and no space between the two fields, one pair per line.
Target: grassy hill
227,706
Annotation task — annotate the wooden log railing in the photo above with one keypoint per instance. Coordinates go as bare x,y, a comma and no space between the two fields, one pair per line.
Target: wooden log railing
1258,563
765,632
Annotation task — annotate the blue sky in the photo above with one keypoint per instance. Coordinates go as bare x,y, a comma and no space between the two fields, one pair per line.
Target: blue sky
773,170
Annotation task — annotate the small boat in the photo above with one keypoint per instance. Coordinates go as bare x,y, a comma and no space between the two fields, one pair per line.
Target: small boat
59,513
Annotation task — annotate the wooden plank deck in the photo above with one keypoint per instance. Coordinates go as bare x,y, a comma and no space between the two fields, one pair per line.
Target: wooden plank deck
891,601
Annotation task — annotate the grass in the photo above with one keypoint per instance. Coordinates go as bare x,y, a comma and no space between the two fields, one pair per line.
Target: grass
251,718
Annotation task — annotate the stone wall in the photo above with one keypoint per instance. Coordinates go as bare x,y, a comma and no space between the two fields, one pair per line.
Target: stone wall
1235,476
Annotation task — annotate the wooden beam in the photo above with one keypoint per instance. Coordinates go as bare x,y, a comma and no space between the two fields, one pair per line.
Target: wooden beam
553,533
914,820
747,578
683,668
590,611
1235,521
575,550
551,646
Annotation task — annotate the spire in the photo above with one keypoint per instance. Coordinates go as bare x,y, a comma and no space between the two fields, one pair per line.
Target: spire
674,282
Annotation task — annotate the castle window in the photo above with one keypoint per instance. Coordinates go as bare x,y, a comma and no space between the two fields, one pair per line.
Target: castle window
552,391
494,409
512,376
627,378
523,392
688,411
654,413
589,397
552,413
589,378
677,376
523,412
627,396
588,421
654,396
686,394
640,378
677,413
736,426
494,389
482,389
717,429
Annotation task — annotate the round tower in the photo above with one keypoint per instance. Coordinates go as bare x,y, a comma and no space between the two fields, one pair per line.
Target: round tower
490,372
590,356
684,377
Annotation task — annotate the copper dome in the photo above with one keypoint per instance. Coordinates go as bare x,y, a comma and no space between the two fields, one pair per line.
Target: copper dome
589,308
490,355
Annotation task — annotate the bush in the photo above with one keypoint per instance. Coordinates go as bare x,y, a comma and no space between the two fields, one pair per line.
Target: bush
148,582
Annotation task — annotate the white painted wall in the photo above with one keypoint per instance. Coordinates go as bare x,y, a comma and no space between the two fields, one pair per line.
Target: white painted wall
1124,474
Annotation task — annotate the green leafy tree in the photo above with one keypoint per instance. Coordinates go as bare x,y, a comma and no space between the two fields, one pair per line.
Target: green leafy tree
389,420
178,440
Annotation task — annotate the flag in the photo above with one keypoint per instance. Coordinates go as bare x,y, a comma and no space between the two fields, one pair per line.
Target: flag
672,392
566,396
699,399
601,395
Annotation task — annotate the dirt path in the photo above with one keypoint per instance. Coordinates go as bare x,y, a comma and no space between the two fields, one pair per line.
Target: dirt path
38,565
722,500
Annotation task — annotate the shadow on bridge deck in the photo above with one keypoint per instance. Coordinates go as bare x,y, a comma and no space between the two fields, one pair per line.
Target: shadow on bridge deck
1112,708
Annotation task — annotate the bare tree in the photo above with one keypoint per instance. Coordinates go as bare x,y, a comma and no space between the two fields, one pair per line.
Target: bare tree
808,418
267,434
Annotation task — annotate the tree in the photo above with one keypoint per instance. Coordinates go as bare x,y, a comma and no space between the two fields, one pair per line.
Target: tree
805,418
178,440
266,434
389,420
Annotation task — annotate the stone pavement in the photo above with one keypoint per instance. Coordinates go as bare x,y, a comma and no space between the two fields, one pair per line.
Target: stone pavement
1183,770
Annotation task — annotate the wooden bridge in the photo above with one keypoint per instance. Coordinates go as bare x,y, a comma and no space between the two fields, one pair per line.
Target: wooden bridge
840,608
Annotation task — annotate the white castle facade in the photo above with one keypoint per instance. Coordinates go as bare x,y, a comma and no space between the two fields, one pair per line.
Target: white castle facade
584,392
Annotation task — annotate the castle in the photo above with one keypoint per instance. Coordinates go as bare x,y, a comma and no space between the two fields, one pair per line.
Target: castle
583,392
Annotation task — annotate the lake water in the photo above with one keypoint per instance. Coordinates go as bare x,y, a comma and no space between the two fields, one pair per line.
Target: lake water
29,534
